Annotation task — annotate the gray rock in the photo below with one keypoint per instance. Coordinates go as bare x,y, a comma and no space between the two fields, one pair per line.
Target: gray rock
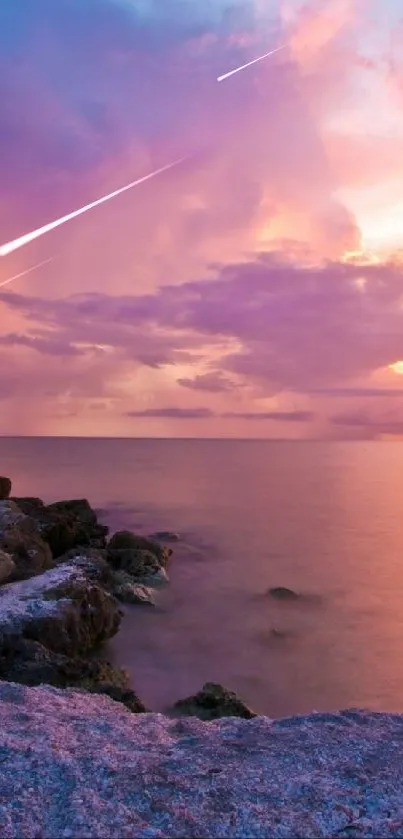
212,702
64,609
75,765
5,487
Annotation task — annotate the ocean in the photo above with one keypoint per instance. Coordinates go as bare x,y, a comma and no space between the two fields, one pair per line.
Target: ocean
325,519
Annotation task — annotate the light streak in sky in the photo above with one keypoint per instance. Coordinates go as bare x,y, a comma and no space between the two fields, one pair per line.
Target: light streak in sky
9,247
28,271
244,66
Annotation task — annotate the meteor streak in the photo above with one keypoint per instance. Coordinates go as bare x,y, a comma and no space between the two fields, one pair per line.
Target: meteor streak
9,247
238,69
28,271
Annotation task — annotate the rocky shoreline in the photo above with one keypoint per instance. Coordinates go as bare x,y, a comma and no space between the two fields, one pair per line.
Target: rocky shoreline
81,755
62,580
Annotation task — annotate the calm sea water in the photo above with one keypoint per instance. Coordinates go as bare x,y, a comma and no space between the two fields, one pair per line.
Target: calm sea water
324,519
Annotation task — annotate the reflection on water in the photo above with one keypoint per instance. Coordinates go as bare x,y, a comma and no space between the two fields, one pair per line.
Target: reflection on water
323,519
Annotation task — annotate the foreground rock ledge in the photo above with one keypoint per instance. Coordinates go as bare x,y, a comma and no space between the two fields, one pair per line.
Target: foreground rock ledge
75,765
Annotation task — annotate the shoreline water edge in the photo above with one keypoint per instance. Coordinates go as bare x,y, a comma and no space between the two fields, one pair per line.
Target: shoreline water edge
209,767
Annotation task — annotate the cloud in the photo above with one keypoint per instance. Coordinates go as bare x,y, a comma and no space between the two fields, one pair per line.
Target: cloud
358,392
47,346
371,425
275,416
295,328
209,382
173,413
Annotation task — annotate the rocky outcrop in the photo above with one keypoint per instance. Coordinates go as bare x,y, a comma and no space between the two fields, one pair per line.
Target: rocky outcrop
5,487
64,525
139,558
64,609
30,663
125,540
81,765
21,540
212,702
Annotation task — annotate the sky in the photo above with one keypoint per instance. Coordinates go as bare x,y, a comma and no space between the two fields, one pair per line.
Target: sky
253,290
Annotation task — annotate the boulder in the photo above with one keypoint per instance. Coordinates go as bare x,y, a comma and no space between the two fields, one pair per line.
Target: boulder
212,702
79,508
125,540
141,565
64,609
5,488
30,663
65,524
128,591
7,566
77,765
282,593
20,538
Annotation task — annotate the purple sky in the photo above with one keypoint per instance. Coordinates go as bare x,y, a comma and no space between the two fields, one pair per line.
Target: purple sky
253,291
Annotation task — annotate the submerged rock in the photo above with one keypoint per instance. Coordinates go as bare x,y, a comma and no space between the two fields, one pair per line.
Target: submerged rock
5,487
212,702
282,593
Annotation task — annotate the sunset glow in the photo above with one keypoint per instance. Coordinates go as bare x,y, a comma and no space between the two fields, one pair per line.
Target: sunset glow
269,267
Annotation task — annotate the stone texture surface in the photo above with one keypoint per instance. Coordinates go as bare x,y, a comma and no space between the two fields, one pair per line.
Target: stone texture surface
64,609
75,765
21,539
64,525
7,566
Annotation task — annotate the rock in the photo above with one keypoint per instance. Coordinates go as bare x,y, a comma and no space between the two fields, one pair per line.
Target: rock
19,537
125,540
126,696
5,488
129,592
65,524
282,593
75,765
165,536
64,609
78,509
139,564
30,663
7,566
212,702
